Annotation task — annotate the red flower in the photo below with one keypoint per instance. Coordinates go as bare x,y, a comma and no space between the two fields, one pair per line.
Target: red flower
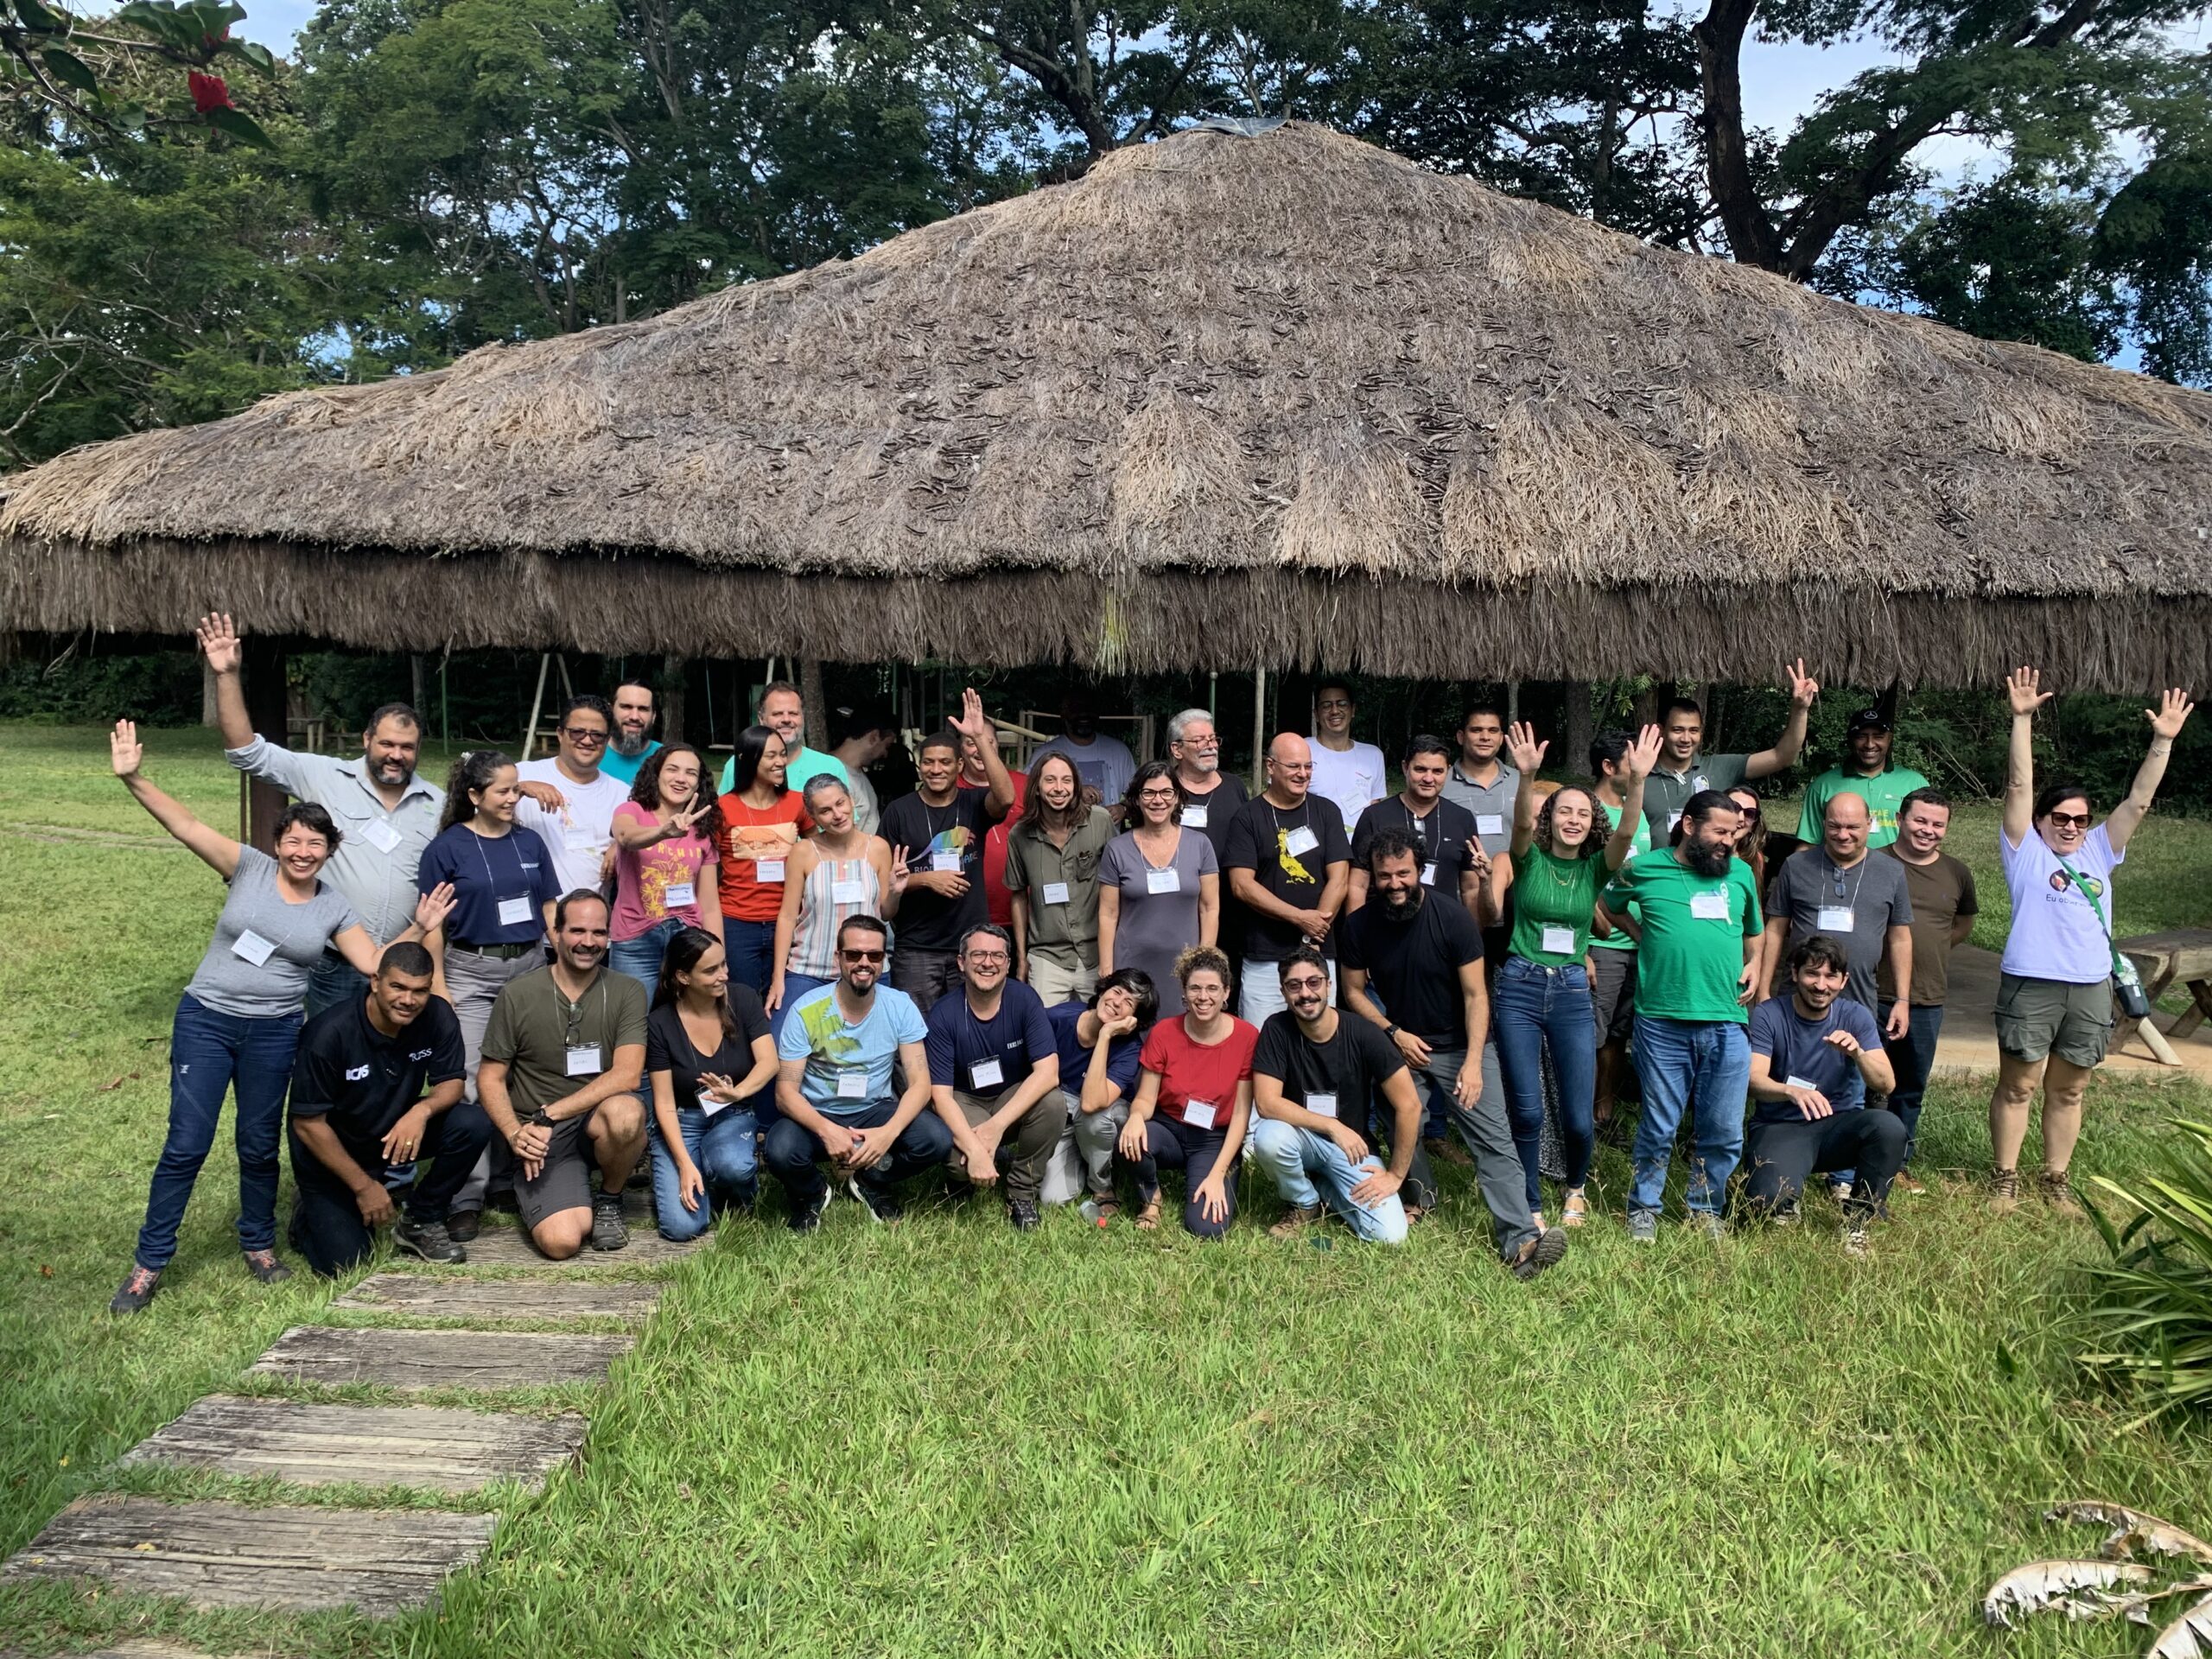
208,92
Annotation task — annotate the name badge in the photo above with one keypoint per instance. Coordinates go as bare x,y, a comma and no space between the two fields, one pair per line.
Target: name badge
1428,874
708,1105
1673,818
1198,1113
678,893
768,869
577,839
1834,918
1709,906
1321,1105
514,912
381,835
1194,817
1799,1083
583,1061
987,1074
1559,940
1055,893
852,1085
853,891
946,863
254,948
1489,824
1163,881
1300,842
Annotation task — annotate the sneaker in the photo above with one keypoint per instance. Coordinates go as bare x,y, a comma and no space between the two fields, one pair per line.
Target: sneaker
137,1291
265,1267
1445,1150
1546,1249
1301,1217
427,1239
2058,1193
462,1225
1021,1216
1839,1191
880,1205
1789,1215
608,1231
2003,1191
808,1216
1855,1241
1643,1226
1704,1221
1905,1183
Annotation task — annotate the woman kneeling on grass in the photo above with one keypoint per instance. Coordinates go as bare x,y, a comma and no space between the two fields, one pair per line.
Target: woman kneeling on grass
1194,1098
708,1053
238,1021
2053,997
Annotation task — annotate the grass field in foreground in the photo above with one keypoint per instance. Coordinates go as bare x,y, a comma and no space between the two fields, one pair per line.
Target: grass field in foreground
945,1440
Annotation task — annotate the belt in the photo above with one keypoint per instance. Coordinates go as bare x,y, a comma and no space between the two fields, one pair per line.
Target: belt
504,952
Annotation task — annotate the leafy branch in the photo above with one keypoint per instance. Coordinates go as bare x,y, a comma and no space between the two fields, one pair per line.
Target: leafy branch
70,68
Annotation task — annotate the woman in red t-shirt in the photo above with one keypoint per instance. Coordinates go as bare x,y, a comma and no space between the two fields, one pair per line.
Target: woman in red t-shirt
1194,1096
761,822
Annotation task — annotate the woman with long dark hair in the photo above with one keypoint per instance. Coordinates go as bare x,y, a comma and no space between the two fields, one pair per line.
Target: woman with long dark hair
1193,1099
1052,874
666,837
762,823
708,1053
238,1023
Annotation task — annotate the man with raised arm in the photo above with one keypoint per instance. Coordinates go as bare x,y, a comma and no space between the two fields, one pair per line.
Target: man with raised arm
1683,771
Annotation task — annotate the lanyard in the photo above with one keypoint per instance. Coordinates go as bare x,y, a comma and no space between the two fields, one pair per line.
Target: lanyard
1852,903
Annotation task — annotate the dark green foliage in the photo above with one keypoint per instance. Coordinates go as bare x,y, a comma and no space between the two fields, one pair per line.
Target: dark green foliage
2149,1317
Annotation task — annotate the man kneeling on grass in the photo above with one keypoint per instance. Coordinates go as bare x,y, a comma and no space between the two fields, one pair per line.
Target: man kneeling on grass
836,1049
565,1056
378,1083
994,1076
1814,1054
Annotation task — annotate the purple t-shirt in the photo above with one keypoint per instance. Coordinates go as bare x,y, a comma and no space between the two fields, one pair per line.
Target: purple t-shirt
2055,934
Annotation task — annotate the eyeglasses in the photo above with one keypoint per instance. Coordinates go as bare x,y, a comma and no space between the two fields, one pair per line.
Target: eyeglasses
1305,984
583,734
2069,820
1334,702
875,956
1199,742
987,958
1155,795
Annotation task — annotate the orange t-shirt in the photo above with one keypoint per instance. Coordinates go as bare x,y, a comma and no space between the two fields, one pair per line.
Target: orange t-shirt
753,836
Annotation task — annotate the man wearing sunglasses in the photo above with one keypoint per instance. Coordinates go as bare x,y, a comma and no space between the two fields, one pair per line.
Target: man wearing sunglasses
837,1047
570,801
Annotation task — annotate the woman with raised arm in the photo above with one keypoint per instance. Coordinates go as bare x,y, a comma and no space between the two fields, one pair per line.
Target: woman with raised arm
2054,994
238,1021
839,871
666,838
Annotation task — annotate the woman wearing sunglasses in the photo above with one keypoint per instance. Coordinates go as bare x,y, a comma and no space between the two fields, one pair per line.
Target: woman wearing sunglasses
2053,999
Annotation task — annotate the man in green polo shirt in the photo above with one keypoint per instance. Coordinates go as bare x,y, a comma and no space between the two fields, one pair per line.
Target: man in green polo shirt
1867,774
1699,909
1683,771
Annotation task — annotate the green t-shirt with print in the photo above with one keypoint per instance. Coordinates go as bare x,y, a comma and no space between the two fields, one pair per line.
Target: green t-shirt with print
1882,794
1620,938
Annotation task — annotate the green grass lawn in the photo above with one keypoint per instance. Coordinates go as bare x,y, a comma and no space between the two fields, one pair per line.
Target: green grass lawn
947,1439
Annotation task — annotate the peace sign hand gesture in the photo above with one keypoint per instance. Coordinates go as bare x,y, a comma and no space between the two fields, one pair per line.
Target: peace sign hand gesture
898,871
1526,752
2023,689
2173,709
1802,687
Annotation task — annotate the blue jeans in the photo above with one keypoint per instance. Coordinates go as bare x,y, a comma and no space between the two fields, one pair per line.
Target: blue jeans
1698,1067
1490,1140
209,1052
792,1154
751,948
1912,1060
1530,1006
334,980
722,1149
1310,1169
641,957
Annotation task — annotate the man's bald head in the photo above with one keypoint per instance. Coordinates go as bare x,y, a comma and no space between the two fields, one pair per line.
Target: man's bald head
1290,765
1843,823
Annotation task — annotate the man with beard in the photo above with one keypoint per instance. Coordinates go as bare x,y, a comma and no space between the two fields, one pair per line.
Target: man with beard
1683,771
783,711
1103,763
564,1058
1696,973
386,813
570,800
1868,774
633,720
1211,799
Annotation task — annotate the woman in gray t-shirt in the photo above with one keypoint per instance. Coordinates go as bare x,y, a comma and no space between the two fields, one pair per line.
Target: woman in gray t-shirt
238,1019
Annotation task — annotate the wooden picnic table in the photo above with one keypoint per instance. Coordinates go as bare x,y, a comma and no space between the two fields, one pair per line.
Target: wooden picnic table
2180,953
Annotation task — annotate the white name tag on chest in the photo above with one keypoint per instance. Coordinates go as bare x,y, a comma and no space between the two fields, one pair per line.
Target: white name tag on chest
946,863
1055,893
852,1085
514,912
578,840
1489,824
1199,1114
853,891
1709,906
768,869
583,1061
1796,1081
1834,918
1428,874
987,1074
1321,1105
1559,940
251,945
1163,881
381,835
1300,841
1194,817
680,893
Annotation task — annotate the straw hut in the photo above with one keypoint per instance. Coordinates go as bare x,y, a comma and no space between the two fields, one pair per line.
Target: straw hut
1280,400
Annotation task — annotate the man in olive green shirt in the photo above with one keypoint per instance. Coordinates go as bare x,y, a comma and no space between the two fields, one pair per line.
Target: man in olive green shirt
1869,775
1684,770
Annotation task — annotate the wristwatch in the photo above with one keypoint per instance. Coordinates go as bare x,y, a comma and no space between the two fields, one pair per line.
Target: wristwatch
1390,1031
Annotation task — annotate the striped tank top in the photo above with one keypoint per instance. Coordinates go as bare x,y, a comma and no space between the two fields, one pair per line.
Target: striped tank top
814,940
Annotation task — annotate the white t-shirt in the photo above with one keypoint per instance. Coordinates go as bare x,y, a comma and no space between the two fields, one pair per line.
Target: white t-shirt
1354,778
1103,764
2055,935
577,837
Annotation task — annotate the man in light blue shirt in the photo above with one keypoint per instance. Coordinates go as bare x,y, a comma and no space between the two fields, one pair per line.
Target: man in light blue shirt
632,746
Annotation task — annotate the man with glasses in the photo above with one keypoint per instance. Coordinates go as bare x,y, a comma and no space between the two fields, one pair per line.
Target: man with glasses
633,744
1289,866
1453,863
1211,798
835,1092
994,1076
1101,762
570,800
1351,774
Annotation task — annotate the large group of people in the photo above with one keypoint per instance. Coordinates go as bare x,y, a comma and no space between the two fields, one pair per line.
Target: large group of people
551,973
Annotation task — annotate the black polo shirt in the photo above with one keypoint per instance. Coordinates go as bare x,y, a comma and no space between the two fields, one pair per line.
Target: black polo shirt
361,1082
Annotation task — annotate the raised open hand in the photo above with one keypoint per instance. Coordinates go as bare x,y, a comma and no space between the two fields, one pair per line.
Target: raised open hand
1522,749
2172,712
973,722
125,749
219,643
1644,754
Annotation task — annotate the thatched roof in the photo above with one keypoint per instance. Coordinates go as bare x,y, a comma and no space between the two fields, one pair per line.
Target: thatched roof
1284,399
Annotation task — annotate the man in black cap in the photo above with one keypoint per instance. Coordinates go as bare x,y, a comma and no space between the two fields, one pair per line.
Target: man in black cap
1868,774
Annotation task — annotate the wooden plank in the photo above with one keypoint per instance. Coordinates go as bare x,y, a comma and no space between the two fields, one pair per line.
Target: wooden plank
508,1247
436,1450
295,1559
443,1296
131,1649
441,1359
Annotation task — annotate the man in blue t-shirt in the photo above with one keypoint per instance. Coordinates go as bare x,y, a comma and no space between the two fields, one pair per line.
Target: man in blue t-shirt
1814,1054
835,1093
994,1075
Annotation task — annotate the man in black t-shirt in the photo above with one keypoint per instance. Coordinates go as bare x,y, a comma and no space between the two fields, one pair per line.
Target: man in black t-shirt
1314,1077
941,827
377,1082
1289,866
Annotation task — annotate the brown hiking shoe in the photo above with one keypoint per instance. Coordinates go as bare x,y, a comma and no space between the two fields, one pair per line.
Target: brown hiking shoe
2003,1191
1445,1150
1301,1218
2058,1192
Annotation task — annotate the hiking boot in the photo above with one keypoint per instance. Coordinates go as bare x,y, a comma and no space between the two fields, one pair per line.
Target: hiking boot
1905,1182
427,1239
461,1226
1301,1217
1643,1226
1546,1249
265,1267
137,1290
878,1203
808,1216
2058,1193
1022,1216
2003,1191
1445,1150
608,1231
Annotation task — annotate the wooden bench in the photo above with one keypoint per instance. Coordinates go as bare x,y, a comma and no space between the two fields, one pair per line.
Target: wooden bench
2180,953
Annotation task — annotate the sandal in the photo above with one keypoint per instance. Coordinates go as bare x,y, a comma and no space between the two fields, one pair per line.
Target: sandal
1577,1209
1148,1218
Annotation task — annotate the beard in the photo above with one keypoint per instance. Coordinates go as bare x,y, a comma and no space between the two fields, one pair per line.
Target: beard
629,746
1401,902
1706,859
392,774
